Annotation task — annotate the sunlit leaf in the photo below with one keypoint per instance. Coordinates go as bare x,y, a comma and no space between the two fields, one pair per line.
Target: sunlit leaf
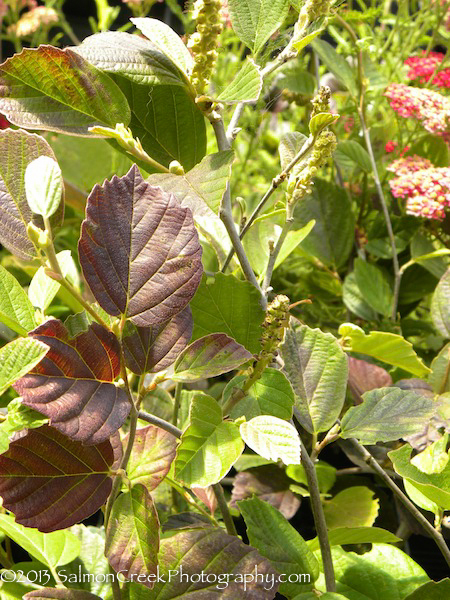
356,535
155,268
57,90
272,438
245,87
355,506
70,488
73,386
153,349
16,310
132,536
18,358
209,356
43,289
43,186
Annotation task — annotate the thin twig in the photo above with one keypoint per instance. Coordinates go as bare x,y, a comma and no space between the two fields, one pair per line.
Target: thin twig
223,506
161,423
319,519
373,464
276,251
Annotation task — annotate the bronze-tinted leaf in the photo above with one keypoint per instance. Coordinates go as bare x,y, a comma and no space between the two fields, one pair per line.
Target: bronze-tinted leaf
269,483
152,454
51,482
208,551
17,150
132,536
364,377
210,356
72,384
60,594
153,349
139,250
207,496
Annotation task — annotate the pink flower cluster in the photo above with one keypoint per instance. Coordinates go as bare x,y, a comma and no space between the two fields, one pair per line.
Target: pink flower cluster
425,188
429,107
423,67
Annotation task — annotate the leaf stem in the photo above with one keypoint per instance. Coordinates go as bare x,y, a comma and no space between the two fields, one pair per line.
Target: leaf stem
319,519
223,506
276,251
373,464
176,408
190,500
161,423
4,560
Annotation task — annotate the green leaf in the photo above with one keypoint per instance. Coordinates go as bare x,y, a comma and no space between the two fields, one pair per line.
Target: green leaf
353,507
432,147
354,301
331,240
43,186
320,121
167,40
131,56
326,475
349,153
297,80
440,305
43,289
433,590
198,463
60,594
132,536
374,286
337,64
203,187
325,596
421,245
439,378
290,145
272,438
317,368
209,356
435,486
385,415
355,535
254,21
245,87
271,394
57,90
51,549
388,347
385,572
18,358
16,310
228,305
166,121
276,539
91,561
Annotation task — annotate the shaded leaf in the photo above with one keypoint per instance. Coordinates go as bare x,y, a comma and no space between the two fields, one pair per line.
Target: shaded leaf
388,347
16,310
374,286
62,492
356,535
202,188
132,536
354,301
17,150
317,368
43,186
331,240
186,520
151,456
156,266
271,394
18,358
245,87
209,446
290,145
60,594
297,80
433,590
326,475
439,377
209,356
153,349
57,90
272,438
51,549
166,121
276,539
167,40
254,21
269,483
73,386
385,415
364,376
130,56
337,64
228,305
355,506
440,303
350,153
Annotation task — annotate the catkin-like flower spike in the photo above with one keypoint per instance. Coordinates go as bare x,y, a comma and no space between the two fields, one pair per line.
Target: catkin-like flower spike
322,101
203,43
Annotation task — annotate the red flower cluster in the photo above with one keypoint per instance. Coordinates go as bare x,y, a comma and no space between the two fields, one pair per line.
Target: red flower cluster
429,107
425,188
423,67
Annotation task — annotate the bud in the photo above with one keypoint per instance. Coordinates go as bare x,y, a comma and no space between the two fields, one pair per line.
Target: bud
176,168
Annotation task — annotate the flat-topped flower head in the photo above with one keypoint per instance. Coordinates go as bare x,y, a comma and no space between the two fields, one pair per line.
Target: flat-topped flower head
409,164
422,69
